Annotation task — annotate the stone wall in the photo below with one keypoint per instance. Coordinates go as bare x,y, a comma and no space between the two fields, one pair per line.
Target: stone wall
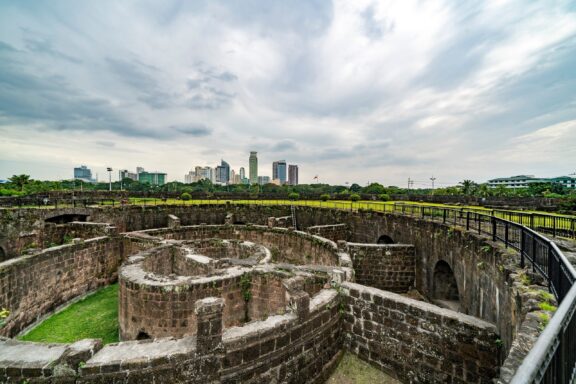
333,232
389,267
286,245
34,285
417,341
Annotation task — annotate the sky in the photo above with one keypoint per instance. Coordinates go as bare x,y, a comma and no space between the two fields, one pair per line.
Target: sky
352,91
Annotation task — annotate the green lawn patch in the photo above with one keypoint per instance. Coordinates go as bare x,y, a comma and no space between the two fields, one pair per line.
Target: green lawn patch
352,370
94,317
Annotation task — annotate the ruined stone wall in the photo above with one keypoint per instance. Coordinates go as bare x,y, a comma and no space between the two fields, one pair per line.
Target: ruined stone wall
286,245
286,349
419,342
333,232
32,286
389,267
267,296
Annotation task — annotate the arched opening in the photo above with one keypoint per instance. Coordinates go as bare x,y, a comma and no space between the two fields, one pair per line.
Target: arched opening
142,336
3,255
385,239
444,287
67,218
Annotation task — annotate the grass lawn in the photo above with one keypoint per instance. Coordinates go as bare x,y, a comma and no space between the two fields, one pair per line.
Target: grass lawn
94,317
352,370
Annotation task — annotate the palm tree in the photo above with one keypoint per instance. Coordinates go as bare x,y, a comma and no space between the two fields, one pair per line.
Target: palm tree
467,186
19,180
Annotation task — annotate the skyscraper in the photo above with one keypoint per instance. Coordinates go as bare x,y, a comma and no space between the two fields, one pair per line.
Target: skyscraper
242,173
279,171
293,174
253,167
223,173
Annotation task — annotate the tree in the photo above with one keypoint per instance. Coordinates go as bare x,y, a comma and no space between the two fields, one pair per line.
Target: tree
19,181
185,196
324,197
294,196
355,188
468,187
374,189
354,197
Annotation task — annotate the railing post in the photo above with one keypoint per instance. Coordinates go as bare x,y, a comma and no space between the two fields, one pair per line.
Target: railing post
550,257
467,221
422,211
522,238
554,226
531,221
506,234
533,253
493,228
444,215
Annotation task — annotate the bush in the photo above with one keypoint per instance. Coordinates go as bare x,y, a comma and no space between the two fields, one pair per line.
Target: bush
325,197
293,196
354,197
185,196
384,197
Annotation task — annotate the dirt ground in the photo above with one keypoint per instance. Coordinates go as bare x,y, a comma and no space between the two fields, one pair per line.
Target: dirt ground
352,370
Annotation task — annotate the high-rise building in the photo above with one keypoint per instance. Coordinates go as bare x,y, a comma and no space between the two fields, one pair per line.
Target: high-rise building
139,170
253,167
279,171
232,177
242,173
223,173
126,174
293,174
199,173
152,178
263,180
83,173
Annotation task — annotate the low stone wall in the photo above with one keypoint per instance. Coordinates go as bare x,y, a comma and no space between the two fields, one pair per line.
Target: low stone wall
286,349
333,232
417,341
286,245
389,267
34,285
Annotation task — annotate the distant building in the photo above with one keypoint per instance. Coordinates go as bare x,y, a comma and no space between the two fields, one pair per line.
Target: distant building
189,177
223,173
232,177
242,173
83,173
293,174
263,180
524,181
139,170
126,174
253,167
152,178
279,171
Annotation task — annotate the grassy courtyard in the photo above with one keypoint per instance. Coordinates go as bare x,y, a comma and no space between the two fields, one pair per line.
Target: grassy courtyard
94,317
352,370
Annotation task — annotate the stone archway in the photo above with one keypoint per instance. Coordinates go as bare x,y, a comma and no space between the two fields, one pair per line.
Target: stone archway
444,287
385,239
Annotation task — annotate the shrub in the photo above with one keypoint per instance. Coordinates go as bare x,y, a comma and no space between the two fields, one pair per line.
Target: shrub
324,197
354,197
384,197
185,196
294,196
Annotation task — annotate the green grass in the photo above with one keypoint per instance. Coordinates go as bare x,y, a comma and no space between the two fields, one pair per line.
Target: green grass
94,317
352,370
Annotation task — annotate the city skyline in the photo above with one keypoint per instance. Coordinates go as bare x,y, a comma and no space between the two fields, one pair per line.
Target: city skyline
353,92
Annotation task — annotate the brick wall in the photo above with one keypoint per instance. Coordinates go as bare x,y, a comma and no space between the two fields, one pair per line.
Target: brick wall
389,267
333,232
419,342
32,286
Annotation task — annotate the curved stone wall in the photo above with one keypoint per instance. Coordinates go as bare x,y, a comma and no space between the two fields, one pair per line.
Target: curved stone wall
34,285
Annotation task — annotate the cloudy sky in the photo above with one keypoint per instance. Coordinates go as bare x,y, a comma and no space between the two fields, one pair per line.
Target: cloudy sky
352,91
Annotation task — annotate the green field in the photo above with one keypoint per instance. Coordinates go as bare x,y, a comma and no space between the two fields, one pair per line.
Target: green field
94,317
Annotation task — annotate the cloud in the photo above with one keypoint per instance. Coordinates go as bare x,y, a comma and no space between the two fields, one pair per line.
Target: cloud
353,91
194,130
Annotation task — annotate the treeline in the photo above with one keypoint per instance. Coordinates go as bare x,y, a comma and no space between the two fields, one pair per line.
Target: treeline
22,185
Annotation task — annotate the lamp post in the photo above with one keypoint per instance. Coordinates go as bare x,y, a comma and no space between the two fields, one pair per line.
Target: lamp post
110,177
